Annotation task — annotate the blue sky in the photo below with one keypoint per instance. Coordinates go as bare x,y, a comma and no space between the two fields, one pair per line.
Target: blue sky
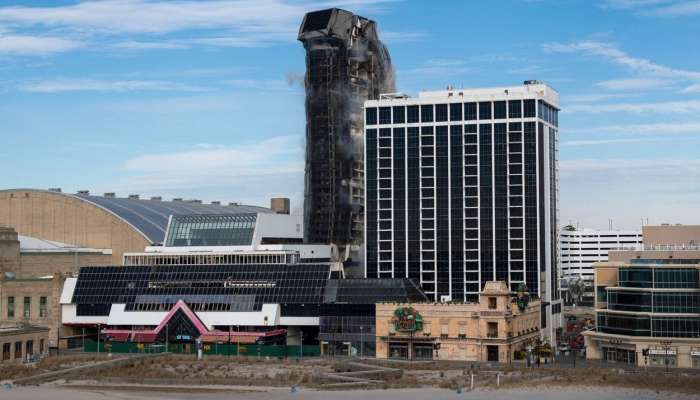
201,99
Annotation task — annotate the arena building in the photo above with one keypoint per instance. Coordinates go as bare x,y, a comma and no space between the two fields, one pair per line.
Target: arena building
101,222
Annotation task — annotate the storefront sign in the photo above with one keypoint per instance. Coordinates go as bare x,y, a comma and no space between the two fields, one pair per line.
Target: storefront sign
407,319
662,352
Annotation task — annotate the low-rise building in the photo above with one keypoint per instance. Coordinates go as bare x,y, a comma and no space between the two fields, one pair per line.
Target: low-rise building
495,329
647,313
23,343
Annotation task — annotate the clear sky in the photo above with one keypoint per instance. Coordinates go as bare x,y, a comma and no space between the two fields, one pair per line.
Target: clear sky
201,99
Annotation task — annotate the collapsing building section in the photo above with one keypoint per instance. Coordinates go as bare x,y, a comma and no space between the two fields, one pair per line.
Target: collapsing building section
346,64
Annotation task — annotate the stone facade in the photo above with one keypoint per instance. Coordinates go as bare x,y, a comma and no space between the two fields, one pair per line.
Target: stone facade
22,343
492,330
37,290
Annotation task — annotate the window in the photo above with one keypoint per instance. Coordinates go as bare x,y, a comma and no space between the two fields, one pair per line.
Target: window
485,110
515,109
426,113
371,116
10,307
18,350
41,346
470,111
27,310
399,115
441,112
42,306
492,303
412,114
444,330
529,109
492,330
499,110
6,351
384,115
456,112
30,348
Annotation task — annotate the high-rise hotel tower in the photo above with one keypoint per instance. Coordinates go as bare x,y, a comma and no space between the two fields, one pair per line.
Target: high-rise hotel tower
462,189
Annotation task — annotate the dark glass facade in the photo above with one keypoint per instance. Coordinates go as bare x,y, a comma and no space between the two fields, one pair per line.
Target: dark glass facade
474,190
647,297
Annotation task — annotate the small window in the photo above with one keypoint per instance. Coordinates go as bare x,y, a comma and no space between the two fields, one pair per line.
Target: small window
441,112
529,109
27,307
469,111
444,330
412,115
515,109
485,110
43,307
493,304
11,307
18,350
426,113
492,329
399,114
456,112
499,110
371,116
384,115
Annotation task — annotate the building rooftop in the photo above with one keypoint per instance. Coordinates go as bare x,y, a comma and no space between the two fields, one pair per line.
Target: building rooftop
29,244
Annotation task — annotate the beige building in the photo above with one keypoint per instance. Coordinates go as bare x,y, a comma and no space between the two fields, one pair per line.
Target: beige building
22,343
492,330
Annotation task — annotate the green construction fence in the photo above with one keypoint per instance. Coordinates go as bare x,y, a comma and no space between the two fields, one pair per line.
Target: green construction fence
220,349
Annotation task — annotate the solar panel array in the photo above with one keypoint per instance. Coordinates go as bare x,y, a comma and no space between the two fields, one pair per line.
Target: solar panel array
300,290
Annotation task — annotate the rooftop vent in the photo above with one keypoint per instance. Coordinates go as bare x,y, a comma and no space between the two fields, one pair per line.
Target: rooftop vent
134,196
110,195
532,82
84,192
233,203
57,190
177,199
216,203
156,198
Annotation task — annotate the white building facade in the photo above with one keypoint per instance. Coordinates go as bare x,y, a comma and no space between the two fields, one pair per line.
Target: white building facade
462,189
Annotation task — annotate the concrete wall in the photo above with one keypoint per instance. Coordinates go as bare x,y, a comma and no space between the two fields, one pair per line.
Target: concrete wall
671,235
47,264
65,219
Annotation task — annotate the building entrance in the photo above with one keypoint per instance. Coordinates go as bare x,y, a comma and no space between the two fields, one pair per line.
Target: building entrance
423,351
398,351
492,353
617,355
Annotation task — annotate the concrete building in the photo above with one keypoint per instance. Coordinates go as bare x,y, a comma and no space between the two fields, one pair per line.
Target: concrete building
462,189
495,329
22,343
580,249
346,63
99,222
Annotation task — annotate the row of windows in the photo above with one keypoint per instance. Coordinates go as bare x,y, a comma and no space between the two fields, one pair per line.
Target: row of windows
636,325
22,349
27,307
677,302
485,110
660,278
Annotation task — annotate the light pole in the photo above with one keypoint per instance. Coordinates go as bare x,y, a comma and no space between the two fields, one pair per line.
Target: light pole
238,341
301,344
98,338
167,334
362,342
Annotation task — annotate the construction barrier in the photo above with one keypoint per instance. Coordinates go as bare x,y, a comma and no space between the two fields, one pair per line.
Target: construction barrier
220,349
